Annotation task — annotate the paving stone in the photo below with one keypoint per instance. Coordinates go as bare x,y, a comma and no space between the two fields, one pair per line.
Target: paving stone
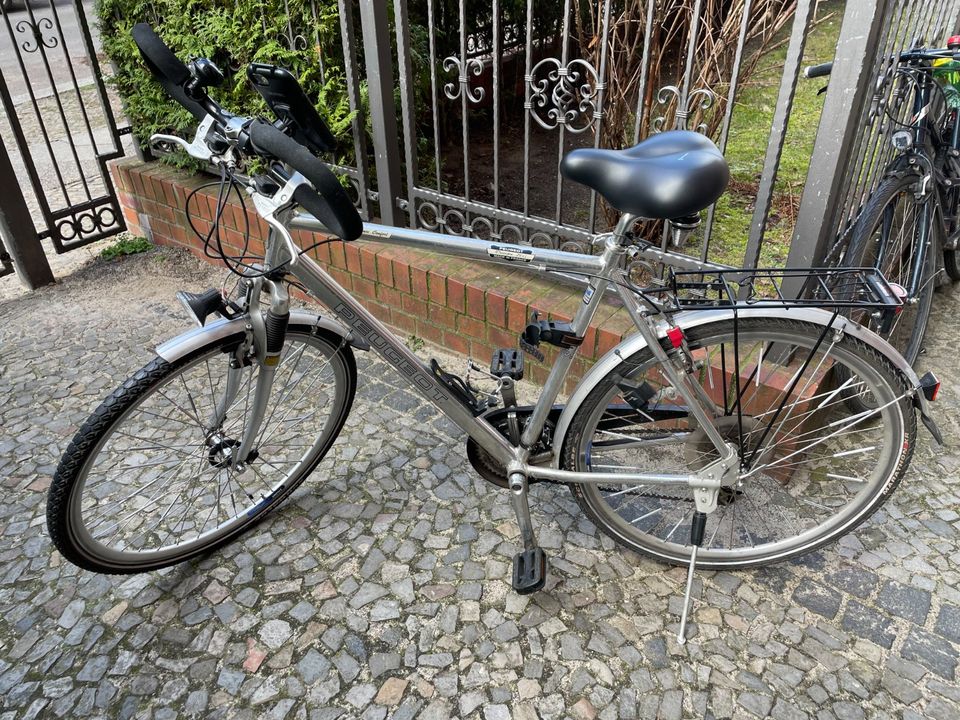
818,598
907,602
381,589
932,652
869,623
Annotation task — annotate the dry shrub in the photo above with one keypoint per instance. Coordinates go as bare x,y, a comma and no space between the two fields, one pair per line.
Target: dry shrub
714,56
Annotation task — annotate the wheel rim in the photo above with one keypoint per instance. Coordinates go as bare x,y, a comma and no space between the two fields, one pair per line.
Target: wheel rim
161,485
808,481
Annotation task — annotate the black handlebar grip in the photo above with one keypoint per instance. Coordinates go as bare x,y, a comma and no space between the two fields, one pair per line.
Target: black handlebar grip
166,67
329,203
815,71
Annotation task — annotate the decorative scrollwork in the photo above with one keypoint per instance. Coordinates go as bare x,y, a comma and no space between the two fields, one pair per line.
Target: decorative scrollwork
454,222
294,42
36,34
453,90
564,94
86,223
670,94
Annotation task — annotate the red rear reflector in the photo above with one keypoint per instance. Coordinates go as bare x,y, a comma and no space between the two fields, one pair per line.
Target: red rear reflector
676,336
954,42
930,386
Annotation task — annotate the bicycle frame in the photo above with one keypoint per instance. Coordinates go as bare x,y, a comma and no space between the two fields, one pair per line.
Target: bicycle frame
602,271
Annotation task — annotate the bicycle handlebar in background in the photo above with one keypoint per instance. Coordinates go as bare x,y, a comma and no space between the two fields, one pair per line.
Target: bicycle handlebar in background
815,71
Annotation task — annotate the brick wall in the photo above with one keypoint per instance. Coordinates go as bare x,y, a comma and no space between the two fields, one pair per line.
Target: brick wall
463,305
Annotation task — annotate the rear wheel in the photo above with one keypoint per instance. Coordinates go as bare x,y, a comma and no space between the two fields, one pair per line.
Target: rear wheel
811,470
149,482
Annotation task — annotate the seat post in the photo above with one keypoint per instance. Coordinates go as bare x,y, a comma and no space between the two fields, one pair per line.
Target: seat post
622,230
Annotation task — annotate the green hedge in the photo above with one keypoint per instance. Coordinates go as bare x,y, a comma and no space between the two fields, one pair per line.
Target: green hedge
233,35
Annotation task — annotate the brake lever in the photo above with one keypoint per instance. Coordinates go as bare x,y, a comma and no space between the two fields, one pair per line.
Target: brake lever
270,207
198,148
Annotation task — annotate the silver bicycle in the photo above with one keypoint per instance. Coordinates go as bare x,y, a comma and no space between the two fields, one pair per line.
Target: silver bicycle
722,434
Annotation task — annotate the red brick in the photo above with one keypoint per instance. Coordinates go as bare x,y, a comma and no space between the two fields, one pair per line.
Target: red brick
364,288
471,326
384,270
456,294
437,284
456,342
403,321
389,296
418,277
368,263
431,332
401,275
475,301
496,309
413,305
352,253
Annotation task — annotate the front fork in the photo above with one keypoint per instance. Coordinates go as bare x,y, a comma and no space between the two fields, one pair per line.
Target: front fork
265,335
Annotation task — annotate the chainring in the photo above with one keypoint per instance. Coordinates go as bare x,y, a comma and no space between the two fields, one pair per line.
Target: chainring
486,465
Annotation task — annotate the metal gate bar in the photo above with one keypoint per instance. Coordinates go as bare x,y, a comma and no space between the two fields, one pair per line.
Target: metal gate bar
78,203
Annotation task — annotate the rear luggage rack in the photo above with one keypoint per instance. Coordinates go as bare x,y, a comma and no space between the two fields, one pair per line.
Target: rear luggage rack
832,288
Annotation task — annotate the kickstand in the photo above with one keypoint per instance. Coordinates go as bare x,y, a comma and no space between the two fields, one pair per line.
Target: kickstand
529,566
696,540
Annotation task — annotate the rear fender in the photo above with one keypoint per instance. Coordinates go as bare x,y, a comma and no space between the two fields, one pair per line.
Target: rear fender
689,320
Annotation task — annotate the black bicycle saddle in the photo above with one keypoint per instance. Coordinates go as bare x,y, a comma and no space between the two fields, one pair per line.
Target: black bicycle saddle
669,175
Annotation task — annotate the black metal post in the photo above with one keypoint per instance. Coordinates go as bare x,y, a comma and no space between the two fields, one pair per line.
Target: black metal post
848,96
18,231
375,27
778,131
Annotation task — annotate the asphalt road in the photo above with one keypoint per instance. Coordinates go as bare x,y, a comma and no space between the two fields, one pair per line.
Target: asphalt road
62,47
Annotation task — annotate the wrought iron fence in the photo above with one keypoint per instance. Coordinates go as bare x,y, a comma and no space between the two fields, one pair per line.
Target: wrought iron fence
462,109
61,121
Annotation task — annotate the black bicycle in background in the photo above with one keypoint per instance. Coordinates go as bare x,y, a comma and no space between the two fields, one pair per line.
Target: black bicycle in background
908,227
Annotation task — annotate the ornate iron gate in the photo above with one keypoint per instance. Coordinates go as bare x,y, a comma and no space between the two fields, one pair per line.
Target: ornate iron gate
58,124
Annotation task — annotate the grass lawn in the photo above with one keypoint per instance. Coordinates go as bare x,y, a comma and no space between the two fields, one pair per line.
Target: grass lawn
746,147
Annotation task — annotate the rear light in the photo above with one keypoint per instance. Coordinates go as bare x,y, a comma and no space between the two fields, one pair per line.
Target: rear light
900,293
953,43
930,386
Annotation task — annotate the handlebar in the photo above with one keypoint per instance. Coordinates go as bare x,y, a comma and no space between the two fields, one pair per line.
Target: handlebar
824,69
324,197
815,71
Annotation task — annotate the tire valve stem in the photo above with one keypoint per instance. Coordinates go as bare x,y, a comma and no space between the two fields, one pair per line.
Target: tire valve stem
697,528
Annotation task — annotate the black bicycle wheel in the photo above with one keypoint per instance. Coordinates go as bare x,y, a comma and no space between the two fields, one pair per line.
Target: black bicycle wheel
951,257
890,226
147,482
811,468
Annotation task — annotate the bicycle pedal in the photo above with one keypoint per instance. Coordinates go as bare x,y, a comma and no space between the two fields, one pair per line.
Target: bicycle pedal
507,362
529,570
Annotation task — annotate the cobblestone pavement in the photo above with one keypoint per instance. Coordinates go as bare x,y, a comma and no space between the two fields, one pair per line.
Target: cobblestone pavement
382,589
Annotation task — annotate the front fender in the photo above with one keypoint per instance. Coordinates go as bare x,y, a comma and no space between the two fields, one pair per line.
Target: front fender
688,320
184,344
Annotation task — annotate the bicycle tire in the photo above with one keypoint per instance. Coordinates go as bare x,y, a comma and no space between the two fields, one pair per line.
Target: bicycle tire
916,312
76,488
611,509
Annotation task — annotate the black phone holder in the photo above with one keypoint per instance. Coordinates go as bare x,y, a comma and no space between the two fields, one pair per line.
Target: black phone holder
296,114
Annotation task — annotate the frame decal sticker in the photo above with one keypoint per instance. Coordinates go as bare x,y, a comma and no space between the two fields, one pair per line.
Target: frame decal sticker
511,253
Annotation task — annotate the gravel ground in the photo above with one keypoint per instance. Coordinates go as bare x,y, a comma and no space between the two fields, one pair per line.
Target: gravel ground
382,588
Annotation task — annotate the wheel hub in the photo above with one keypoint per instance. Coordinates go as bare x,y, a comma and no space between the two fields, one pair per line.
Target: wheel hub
221,454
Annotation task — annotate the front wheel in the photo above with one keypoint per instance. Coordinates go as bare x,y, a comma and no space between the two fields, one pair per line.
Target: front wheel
151,480
811,469
894,231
